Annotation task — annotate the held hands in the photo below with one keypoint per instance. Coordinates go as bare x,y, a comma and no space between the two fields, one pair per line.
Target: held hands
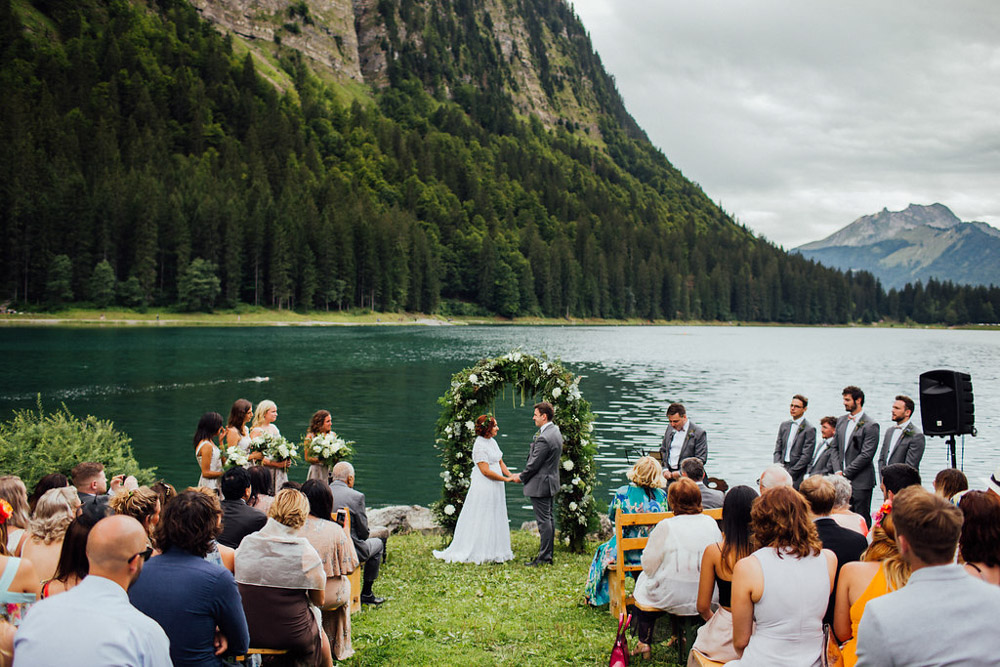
515,478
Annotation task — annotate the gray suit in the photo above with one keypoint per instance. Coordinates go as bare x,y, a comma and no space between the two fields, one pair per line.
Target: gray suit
824,457
369,548
800,454
541,482
856,459
695,444
909,449
711,498
941,617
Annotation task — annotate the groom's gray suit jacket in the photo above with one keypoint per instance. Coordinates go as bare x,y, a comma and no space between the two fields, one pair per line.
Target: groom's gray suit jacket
541,473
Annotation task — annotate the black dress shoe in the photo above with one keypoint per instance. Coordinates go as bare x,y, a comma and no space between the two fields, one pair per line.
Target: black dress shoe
536,563
372,600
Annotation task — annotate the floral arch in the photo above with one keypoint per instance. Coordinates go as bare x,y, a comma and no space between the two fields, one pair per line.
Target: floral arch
473,392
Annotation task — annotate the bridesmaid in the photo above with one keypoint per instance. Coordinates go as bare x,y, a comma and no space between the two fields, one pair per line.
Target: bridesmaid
206,451
263,423
237,433
320,424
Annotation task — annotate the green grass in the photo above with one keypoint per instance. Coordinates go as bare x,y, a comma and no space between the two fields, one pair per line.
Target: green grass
494,614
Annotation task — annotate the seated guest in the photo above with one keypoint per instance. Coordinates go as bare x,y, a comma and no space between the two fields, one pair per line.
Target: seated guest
979,544
643,494
53,514
715,638
219,554
880,571
142,504
73,565
12,490
93,625
370,549
781,590
165,491
942,616
279,574
773,477
194,601
261,488
842,513
54,480
670,562
846,544
694,469
91,483
238,518
336,550
896,477
950,482
19,586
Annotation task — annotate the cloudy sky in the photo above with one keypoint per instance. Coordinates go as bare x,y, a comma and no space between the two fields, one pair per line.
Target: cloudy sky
800,116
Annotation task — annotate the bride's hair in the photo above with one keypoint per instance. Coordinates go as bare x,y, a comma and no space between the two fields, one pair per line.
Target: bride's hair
484,424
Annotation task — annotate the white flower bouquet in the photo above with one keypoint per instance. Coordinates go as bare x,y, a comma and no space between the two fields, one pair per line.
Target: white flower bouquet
274,448
235,458
331,449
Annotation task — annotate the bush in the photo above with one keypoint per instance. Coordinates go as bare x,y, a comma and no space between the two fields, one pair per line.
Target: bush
33,444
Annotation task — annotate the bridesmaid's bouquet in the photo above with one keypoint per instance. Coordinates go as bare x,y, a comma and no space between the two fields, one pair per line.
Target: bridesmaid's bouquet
274,448
235,458
331,449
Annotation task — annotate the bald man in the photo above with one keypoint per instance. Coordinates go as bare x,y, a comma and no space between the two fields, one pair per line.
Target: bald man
93,623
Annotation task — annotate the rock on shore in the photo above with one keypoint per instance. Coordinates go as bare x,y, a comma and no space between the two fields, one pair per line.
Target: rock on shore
405,519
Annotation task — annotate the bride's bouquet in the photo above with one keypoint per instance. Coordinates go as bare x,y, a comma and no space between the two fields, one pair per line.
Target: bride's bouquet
331,449
235,458
274,448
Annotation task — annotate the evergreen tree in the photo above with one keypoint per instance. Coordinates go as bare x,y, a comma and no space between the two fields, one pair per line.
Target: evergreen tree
198,286
102,284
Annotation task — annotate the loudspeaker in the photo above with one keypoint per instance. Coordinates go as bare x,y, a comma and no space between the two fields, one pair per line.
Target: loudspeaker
946,403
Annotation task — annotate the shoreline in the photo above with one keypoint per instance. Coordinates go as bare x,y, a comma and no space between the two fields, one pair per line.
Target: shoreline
260,317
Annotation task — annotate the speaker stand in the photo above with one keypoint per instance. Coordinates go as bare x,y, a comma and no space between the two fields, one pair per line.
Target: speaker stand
951,450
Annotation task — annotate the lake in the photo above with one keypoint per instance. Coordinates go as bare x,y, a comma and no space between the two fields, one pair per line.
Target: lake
381,385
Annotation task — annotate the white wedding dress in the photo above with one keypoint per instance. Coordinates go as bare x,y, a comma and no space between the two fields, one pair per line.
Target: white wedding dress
482,534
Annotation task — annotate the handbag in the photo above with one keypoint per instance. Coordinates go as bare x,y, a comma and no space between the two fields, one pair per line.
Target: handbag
831,657
619,650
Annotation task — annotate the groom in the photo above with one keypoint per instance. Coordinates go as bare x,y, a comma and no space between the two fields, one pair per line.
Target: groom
541,478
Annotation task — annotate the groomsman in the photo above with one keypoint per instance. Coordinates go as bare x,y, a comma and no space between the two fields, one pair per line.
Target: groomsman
541,479
796,441
857,443
826,450
903,443
682,439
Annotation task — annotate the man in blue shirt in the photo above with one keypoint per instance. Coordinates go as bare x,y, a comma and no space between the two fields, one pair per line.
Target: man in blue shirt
186,594
92,624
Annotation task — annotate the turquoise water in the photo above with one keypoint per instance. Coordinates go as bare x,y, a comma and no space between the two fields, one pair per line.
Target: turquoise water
382,384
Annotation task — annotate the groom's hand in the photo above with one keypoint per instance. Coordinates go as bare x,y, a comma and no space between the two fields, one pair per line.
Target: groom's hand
516,477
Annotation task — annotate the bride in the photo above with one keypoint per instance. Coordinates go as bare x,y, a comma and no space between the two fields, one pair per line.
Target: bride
482,534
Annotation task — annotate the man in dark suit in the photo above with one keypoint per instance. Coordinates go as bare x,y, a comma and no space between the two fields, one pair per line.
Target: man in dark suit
903,443
91,482
825,452
857,443
694,469
541,479
796,441
238,518
845,543
682,439
368,548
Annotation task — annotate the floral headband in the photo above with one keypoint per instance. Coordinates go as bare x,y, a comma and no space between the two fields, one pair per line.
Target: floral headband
6,511
883,511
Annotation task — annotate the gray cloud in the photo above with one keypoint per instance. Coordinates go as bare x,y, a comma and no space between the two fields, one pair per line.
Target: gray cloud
799,117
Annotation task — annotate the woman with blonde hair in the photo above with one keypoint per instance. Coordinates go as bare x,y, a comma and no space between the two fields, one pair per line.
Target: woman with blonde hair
881,570
263,424
283,583
55,510
143,505
13,490
644,493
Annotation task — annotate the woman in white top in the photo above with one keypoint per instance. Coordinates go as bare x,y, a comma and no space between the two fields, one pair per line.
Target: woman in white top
671,561
482,533
780,591
206,451
237,433
263,423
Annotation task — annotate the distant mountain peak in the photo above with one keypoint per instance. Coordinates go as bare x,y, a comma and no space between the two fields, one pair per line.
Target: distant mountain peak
886,224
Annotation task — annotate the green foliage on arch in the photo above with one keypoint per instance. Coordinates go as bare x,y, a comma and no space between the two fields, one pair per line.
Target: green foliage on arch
472,393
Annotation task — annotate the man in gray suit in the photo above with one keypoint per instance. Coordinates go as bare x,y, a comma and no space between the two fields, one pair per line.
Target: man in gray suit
857,443
825,453
796,441
694,469
368,548
905,627
903,443
682,439
541,479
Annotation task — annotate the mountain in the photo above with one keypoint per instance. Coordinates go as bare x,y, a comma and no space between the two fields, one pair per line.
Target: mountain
917,243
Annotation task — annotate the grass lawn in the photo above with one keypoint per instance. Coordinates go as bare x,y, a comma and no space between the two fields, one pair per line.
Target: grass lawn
498,614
